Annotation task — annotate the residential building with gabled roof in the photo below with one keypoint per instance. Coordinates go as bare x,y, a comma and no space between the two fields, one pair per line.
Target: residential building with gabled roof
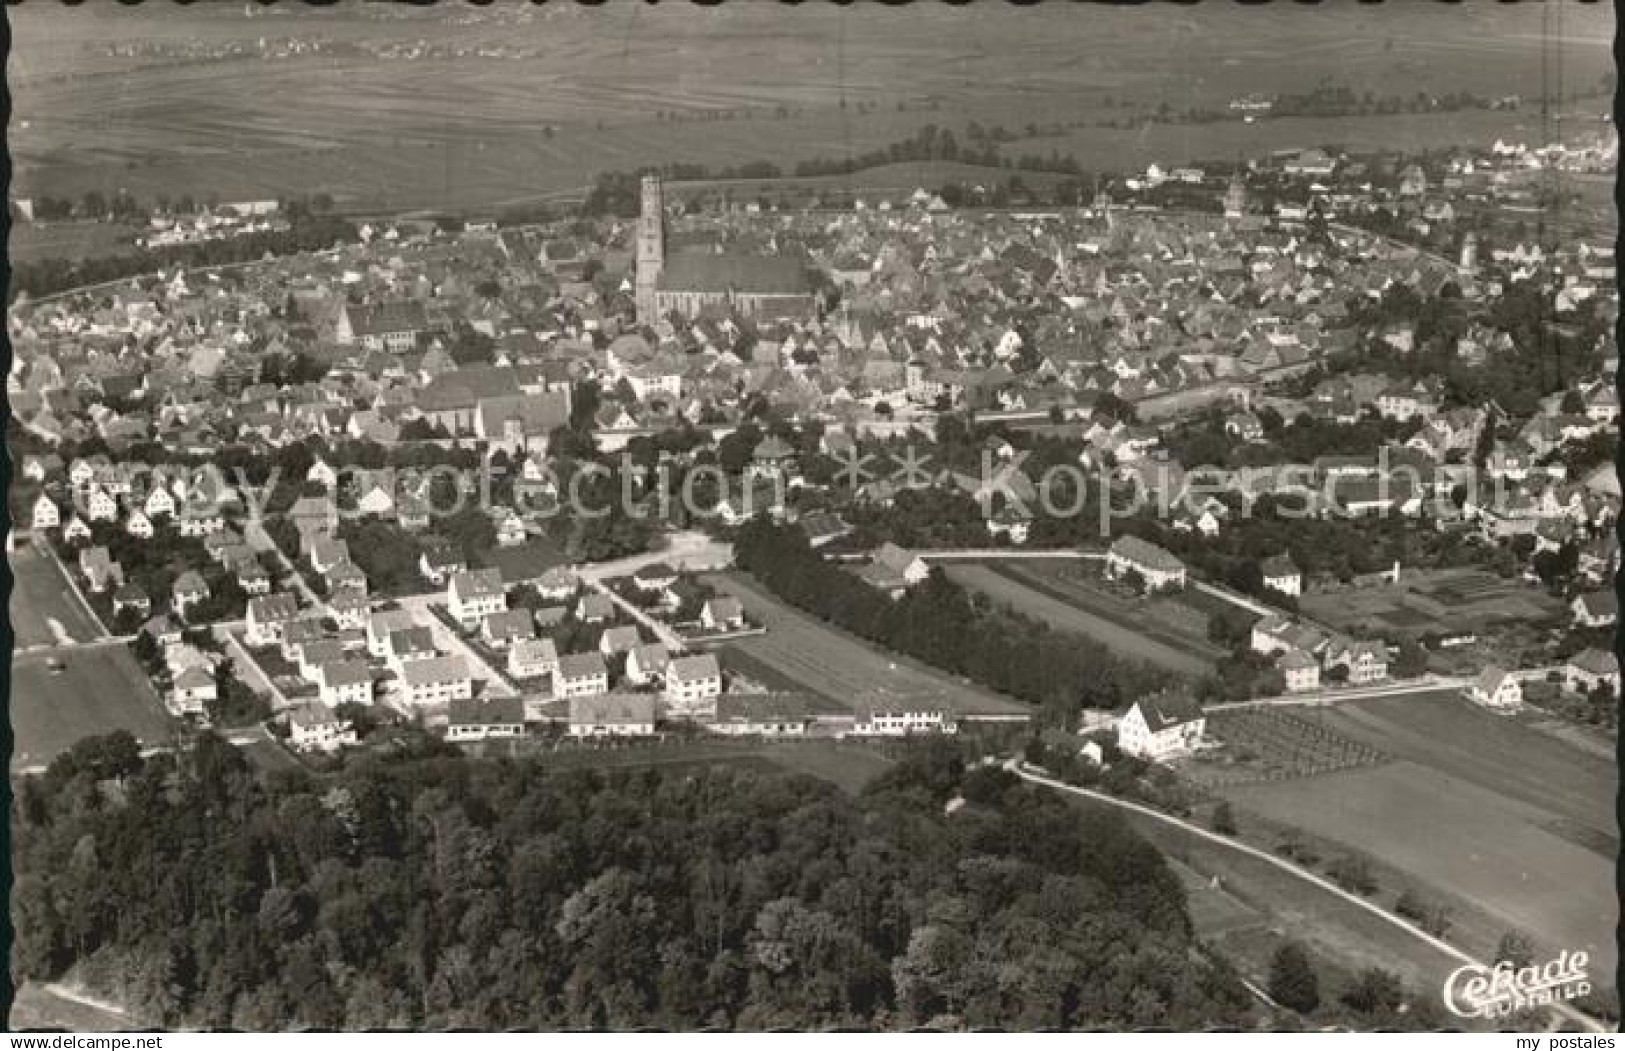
1162,726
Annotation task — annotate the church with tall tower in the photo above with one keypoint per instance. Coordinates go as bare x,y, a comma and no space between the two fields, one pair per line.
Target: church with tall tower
651,250
688,282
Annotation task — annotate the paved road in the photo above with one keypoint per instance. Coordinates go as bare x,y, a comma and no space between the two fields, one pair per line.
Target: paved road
696,552
1334,695
260,540
448,641
41,651
674,642
1019,769
244,665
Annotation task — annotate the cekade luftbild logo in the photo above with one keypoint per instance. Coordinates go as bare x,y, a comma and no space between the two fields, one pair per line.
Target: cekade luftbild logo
1476,991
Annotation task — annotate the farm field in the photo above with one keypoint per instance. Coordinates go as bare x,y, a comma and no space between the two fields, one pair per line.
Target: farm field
101,689
596,91
1050,594
1514,824
1573,790
68,240
1346,936
1447,602
1458,840
44,609
813,656
1271,744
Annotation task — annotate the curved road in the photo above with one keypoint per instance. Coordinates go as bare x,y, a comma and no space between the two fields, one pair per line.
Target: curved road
1016,767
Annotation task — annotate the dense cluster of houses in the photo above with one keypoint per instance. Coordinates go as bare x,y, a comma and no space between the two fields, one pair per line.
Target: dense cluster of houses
489,338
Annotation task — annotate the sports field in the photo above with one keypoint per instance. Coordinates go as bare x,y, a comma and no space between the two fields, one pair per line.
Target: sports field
1474,807
99,689
1051,593
44,609
815,657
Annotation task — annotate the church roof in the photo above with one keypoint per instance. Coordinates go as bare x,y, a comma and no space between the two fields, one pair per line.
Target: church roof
763,275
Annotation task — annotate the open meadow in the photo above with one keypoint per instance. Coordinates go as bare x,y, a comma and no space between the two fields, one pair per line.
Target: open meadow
99,689
522,104
810,655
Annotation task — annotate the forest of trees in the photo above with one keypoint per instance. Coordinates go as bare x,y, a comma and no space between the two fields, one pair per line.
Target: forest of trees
430,889
944,625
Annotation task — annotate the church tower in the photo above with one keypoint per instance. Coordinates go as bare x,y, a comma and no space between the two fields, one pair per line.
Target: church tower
1469,255
651,256
1235,198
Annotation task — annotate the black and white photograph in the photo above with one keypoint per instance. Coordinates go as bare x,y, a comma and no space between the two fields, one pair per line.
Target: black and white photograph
835,518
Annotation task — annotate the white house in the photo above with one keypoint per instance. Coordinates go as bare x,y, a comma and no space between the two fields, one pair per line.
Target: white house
722,613
473,595
345,682
901,722
760,715
693,681
1595,609
315,727
1165,725
894,569
1281,574
581,675
383,624
1495,688
1366,662
102,506
159,502
438,562
200,522
499,717
268,615
190,588
1591,668
1300,670
194,688
138,525
532,658
622,639
612,715
1155,565
646,663
408,645
507,627
436,680
46,515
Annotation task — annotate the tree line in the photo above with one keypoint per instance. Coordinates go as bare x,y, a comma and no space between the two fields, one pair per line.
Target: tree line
428,889
944,625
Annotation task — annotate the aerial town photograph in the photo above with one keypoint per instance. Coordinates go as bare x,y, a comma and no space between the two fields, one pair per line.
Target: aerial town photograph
818,518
